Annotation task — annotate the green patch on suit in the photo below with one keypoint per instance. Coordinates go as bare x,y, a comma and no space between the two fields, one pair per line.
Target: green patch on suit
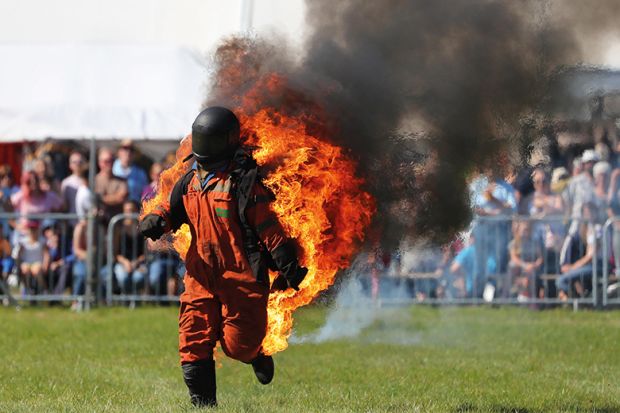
221,212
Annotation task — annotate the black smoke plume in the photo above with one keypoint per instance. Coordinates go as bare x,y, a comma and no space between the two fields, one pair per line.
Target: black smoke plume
423,93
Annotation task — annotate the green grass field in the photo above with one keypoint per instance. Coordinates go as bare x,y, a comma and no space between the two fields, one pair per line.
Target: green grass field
454,360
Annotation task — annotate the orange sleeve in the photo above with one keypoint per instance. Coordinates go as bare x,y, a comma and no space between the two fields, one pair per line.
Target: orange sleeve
263,219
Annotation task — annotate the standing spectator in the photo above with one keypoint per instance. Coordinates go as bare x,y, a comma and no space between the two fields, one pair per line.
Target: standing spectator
130,267
494,203
577,166
31,199
523,189
150,190
581,188
83,195
80,253
126,169
542,202
112,191
32,259
613,212
559,182
601,173
69,185
47,181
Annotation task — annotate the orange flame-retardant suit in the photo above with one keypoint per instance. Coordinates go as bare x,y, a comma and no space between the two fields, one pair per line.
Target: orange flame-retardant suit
236,238
223,299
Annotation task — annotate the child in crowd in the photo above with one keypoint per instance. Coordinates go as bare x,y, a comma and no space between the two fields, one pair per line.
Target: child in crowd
57,253
33,258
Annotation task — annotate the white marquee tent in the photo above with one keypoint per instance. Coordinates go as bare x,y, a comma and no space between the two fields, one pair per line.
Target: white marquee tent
102,91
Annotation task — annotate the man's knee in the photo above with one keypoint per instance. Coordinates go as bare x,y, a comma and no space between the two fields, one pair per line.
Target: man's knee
244,352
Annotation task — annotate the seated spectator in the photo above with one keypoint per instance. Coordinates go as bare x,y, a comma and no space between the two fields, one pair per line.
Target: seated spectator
126,169
547,207
32,199
32,259
468,282
526,259
163,270
111,190
151,189
69,186
130,267
578,254
6,260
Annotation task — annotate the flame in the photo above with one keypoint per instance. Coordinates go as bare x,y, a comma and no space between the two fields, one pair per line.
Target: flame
319,201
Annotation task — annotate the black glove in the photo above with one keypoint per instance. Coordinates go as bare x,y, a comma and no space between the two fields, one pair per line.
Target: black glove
152,226
291,280
297,277
285,260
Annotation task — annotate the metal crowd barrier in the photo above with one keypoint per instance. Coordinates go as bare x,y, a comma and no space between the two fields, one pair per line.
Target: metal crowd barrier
136,270
41,265
611,255
488,274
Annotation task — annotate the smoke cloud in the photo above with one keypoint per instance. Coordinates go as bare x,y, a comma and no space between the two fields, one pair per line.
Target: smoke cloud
422,93
355,315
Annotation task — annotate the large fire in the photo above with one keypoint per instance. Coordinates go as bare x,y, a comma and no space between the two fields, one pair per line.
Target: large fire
319,201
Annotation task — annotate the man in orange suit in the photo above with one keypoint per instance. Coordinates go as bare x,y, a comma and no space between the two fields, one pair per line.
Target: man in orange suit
236,238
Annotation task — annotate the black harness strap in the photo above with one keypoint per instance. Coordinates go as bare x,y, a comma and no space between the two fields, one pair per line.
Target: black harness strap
244,176
178,214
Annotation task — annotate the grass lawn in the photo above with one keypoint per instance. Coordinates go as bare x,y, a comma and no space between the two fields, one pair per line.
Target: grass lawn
454,360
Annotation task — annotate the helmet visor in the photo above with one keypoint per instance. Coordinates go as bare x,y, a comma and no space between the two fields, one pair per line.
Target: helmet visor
208,146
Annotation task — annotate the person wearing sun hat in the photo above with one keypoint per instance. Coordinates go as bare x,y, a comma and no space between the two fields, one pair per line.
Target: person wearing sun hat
559,180
581,188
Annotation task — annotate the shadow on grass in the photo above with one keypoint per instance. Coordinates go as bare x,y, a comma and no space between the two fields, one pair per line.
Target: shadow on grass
469,407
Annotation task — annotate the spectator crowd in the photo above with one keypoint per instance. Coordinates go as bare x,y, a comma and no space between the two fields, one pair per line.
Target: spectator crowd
46,253
536,234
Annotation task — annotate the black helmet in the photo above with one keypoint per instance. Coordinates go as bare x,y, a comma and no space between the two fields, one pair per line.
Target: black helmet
215,134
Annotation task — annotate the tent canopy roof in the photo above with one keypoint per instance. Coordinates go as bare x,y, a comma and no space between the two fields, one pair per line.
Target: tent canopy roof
98,91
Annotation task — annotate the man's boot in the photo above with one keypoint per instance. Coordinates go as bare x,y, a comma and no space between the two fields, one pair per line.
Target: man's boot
199,377
263,368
